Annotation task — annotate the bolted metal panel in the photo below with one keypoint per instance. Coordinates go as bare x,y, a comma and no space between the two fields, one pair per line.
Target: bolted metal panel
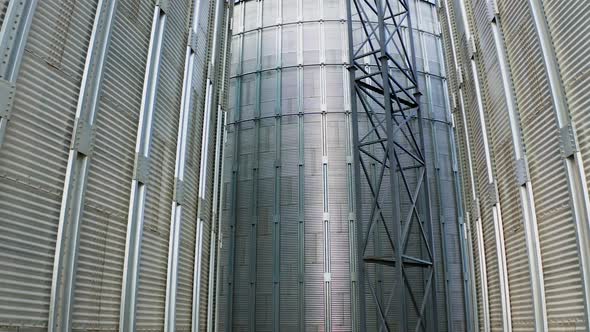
491,210
82,137
68,163
521,170
34,154
141,168
567,141
164,5
3,8
7,91
289,80
68,240
492,9
566,28
472,290
16,18
494,198
179,191
526,96
133,304
162,121
550,187
102,247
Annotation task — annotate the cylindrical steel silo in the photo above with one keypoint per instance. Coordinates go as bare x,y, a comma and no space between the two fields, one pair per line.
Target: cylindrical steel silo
108,162
522,122
288,239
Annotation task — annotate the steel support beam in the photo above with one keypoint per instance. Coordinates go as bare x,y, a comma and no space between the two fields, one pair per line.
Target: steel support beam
300,206
523,180
325,177
466,240
141,171
214,295
387,120
573,161
13,37
235,175
209,122
475,219
72,207
495,205
179,201
464,237
218,190
301,175
277,218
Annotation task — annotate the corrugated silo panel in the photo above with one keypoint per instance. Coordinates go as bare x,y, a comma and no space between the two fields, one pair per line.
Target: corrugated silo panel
521,305
338,209
188,262
208,225
314,233
450,39
189,222
184,296
156,224
34,159
563,287
471,205
34,156
482,181
289,226
464,154
320,247
207,204
568,24
456,78
447,24
200,74
104,223
204,260
447,21
242,263
265,204
226,230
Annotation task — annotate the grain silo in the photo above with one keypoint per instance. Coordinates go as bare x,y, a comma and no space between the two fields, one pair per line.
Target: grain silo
108,139
520,96
288,188
178,165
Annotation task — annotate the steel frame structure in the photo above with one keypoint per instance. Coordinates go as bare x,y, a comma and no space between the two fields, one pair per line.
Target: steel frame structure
390,163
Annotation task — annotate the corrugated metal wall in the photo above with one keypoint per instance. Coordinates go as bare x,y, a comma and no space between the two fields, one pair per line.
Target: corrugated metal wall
288,241
34,156
85,62
528,66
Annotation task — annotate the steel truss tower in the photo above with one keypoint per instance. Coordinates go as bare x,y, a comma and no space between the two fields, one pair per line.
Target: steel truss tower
395,262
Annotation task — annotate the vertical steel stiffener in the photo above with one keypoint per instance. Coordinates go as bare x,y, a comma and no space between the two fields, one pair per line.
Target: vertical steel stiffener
387,129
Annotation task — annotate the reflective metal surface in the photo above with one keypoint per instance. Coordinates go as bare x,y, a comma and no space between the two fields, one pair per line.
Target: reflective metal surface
289,246
96,105
520,58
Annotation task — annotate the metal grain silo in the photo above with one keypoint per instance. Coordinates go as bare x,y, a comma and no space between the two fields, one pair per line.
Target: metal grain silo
521,111
289,246
108,155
